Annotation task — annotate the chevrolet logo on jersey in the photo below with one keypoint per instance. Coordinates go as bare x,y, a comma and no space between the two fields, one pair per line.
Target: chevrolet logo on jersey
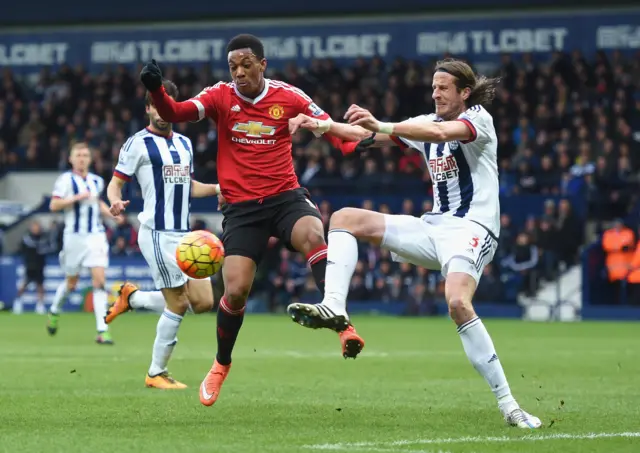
254,129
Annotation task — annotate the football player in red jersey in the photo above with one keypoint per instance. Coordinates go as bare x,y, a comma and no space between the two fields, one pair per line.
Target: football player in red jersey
259,187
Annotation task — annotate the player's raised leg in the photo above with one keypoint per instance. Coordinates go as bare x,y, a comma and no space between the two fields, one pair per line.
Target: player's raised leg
307,236
346,226
238,273
100,302
131,298
459,289
64,289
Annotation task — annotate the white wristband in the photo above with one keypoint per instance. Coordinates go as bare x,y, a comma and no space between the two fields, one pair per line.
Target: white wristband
385,128
323,126
217,187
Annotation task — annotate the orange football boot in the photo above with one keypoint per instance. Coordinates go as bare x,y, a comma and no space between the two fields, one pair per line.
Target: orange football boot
163,381
352,343
121,304
210,387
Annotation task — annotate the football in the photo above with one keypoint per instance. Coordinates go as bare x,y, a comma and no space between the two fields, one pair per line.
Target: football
200,254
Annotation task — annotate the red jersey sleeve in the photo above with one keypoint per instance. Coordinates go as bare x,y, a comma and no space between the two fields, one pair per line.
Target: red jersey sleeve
208,101
194,109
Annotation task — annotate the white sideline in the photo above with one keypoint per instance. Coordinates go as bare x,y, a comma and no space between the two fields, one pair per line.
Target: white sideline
469,440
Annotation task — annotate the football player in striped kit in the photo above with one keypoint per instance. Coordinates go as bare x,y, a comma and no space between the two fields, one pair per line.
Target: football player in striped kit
77,195
459,237
162,162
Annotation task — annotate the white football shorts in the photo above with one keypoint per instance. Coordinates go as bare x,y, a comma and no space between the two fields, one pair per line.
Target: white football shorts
431,241
83,251
159,250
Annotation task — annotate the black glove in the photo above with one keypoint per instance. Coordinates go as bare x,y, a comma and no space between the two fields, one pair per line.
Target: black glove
151,76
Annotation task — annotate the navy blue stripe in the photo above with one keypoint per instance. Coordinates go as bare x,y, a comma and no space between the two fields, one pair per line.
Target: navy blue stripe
443,189
178,190
161,262
468,323
465,182
76,205
158,181
186,146
99,224
158,253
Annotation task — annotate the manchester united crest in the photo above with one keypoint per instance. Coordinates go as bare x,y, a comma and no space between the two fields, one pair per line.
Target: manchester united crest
276,111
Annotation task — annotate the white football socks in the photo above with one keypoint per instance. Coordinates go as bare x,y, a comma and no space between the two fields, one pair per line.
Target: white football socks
149,300
342,257
482,355
100,308
166,339
58,300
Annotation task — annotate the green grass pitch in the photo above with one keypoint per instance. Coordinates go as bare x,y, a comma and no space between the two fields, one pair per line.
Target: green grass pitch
412,389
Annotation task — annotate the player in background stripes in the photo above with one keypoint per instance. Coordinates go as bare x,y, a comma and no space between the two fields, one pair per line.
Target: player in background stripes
76,194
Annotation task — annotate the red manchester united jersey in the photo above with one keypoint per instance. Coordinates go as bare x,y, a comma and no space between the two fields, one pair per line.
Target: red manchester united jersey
254,144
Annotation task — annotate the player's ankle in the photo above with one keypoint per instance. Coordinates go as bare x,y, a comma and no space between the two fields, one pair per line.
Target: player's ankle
335,305
507,404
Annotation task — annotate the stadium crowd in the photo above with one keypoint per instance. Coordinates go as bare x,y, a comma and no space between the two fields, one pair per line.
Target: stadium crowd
567,127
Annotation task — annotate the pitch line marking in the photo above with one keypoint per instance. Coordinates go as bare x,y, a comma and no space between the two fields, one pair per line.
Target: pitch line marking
471,440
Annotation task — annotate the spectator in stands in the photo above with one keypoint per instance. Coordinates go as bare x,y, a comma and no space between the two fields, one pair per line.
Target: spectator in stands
549,244
35,246
570,233
618,244
490,286
523,262
124,238
633,277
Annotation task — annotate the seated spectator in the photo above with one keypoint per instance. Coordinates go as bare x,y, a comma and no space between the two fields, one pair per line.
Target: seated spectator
523,261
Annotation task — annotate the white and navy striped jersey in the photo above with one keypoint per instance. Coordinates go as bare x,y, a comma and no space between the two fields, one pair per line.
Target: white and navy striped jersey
162,166
464,174
84,216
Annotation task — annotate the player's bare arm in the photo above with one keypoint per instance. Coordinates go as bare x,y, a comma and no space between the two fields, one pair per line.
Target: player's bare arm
349,135
60,204
106,212
114,194
200,190
426,131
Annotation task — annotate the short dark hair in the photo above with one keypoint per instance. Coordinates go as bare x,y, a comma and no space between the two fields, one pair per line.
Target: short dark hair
169,87
483,89
246,41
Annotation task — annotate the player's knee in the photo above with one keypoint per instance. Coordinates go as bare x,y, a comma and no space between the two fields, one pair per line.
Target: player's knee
204,306
177,300
345,218
179,306
460,309
97,282
236,294
315,237
201,304
72,282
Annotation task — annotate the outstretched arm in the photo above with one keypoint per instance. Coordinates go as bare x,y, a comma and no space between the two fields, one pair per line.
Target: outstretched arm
342,136
169,109
173,111
201,190
423,131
